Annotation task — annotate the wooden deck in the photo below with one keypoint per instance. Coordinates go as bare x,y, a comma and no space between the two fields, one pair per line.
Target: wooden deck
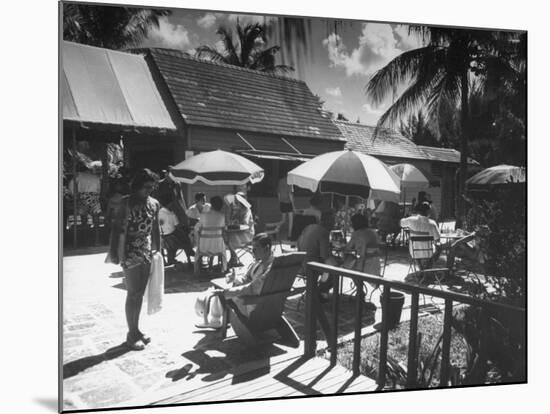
290,378
286,376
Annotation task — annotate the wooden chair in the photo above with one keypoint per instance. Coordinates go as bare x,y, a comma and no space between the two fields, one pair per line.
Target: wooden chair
267,313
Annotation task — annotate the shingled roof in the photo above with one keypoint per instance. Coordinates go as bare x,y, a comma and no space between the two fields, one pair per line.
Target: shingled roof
388,143
224,96
444,154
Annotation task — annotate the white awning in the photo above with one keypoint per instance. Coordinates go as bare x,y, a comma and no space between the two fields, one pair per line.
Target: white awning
109,87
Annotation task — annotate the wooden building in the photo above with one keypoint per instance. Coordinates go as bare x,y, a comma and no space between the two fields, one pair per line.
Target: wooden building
276,121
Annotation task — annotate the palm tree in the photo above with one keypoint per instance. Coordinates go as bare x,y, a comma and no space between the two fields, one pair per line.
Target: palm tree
443,70
248,52
108,26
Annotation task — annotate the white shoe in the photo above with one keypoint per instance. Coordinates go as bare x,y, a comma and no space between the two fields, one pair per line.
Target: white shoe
213,324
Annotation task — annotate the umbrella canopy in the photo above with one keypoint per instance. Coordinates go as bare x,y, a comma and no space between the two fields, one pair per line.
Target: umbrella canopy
410,176
347,173
499,174
218,168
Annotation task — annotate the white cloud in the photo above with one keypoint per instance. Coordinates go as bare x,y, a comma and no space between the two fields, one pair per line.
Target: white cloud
334,91
169,35
207,21
407,41
371,110
378,44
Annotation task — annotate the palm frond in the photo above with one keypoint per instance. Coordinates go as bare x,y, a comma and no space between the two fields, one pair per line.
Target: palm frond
231,55
398,71
209,53
429,70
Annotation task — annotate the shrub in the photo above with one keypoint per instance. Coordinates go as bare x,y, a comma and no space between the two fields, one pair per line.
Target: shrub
503,211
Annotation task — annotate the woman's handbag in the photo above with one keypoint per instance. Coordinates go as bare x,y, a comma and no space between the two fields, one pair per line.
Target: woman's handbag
210,309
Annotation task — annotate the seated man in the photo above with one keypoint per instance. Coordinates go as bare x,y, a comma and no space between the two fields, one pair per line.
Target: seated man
249,283
421,224
315,241
174,235
200,206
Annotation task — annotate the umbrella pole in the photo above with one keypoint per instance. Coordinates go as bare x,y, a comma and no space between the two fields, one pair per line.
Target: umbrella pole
75,193
404,201
346,218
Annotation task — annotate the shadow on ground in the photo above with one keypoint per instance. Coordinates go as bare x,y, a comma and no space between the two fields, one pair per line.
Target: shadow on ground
70,369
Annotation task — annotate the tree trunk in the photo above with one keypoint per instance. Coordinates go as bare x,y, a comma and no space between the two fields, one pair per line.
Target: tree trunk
464,126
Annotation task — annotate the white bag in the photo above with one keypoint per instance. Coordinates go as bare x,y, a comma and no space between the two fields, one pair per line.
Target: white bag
154,292
210,309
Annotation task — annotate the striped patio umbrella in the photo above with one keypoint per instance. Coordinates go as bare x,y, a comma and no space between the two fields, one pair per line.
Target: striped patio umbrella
347,173
410,176
497,175
218,168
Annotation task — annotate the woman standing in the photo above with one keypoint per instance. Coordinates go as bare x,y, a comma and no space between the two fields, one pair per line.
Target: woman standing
138,238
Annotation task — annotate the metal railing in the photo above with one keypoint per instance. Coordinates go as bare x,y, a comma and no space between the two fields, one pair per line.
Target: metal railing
314,313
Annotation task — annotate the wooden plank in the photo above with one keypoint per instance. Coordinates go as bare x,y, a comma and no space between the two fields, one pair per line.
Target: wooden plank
412,359
231,391
446,348
310,340
205,387
358,323
384,337
299,380
307,377
335,314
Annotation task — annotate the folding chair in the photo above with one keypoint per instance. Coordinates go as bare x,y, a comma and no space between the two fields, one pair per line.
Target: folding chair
447,226
421,249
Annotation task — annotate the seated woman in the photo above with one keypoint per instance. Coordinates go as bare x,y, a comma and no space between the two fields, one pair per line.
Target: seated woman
315,242
361,252
240,225
209,233
249,283
314,208
388,215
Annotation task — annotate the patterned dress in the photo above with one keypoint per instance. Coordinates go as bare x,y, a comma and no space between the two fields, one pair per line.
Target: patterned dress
141,218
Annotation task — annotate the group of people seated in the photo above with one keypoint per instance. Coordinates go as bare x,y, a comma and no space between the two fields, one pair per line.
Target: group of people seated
211,227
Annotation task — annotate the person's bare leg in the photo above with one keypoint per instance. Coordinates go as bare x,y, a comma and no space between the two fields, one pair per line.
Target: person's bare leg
95,219
142,284
133,306
290,222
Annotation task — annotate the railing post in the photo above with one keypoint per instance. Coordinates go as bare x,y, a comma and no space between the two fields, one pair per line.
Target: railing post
335,310
446,349
484,329
312,297
359,298
384,338
412,359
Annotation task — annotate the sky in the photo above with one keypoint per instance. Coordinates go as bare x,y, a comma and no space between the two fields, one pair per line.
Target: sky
337,68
